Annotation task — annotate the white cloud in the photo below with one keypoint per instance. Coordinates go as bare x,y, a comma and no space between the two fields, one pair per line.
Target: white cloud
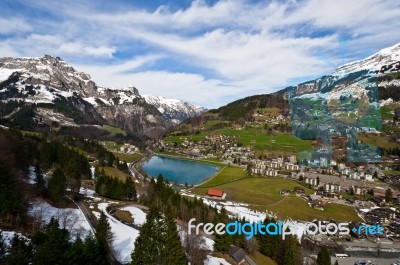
12,25
236,47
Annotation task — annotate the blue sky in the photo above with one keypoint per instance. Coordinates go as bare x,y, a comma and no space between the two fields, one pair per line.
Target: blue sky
205,52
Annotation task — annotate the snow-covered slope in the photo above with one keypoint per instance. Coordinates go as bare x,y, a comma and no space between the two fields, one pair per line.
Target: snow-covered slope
386,59
174,109
76,99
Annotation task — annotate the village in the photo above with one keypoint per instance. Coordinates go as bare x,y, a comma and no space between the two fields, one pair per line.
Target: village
363,186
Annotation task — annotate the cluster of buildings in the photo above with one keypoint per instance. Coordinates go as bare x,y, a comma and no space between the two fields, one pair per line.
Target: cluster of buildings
271,167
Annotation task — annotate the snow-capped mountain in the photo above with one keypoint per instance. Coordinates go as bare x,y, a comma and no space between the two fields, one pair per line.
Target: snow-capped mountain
174,109
355,78
385,60
57,93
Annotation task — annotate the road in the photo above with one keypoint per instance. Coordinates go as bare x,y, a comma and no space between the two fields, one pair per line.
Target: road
89,218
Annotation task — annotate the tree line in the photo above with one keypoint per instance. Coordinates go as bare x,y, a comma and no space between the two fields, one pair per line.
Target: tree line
114,188
54,245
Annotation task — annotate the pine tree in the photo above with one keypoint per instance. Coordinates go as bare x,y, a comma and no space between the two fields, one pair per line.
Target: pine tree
222,242
324,257
291,254
173,253
149,244
269,244
103,237
57,185
3,249
39,178
76,253
52,245
388,195
20,251
91,252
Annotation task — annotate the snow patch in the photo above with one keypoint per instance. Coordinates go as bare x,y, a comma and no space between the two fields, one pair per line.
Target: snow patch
139,217
124,236
215,261
69,218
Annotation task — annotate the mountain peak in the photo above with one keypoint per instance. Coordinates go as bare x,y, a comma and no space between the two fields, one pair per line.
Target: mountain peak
385,57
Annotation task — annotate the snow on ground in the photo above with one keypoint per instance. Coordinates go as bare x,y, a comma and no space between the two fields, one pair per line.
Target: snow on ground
69,218
5,73
8,236
124,236
215,261
31,176
91,100
96,214
86,191
239,210
208,243
139,217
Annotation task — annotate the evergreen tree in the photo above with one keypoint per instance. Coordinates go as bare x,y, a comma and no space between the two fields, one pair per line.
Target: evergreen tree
74,173
388,195
269,244
76,253
223,242
20,251
103,237
3,249
52,245
57,185
149,246
324,257
173,253
39,178
291,254
158,242
12,203
91,252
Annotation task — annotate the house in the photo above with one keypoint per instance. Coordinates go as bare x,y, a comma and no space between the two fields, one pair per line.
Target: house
237,254
331,187
312,181
216,193
284,192
368,177
299,190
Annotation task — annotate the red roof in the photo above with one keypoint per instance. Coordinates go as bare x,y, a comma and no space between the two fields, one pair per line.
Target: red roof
213,192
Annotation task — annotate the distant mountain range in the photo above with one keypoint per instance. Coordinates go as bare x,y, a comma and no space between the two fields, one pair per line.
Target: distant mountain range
375,79
48,94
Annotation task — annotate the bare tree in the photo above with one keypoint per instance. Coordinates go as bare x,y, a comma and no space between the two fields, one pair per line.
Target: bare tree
195,247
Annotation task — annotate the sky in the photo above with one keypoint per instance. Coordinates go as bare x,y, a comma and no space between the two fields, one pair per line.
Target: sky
205,52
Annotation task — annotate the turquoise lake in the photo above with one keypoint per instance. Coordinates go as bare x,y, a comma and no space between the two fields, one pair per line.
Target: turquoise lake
179,170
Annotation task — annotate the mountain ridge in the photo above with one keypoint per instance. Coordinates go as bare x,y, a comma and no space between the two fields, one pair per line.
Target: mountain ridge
50,83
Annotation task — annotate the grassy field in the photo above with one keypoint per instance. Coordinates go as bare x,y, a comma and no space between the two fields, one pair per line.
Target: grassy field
124,216
28,133
257,191
387,113
391,172
263,194
377,140
114,130
262,259
114,172
256,137
112,145
228,174
129,158
260,140
298,209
